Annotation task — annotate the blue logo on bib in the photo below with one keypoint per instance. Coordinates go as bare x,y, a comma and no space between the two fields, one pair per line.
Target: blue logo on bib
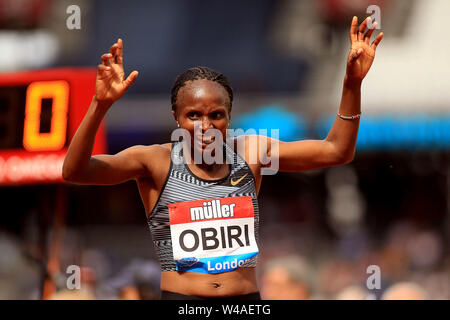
187,262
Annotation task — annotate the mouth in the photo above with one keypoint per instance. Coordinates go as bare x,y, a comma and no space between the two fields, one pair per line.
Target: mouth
204,141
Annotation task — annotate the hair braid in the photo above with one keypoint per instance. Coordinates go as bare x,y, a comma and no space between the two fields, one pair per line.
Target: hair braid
196,74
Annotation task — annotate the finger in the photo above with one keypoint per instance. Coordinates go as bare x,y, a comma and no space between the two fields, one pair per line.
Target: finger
119,51
131,78
377,41
353,29
103,68
356,55
369,33
106,59
362,29
113,51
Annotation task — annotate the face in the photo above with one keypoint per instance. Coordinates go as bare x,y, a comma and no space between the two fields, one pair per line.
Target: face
205,103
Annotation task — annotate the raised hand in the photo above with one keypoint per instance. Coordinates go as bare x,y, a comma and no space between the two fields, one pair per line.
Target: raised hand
111,84
362,53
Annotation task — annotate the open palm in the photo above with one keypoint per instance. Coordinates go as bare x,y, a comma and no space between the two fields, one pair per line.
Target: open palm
111,84
362,53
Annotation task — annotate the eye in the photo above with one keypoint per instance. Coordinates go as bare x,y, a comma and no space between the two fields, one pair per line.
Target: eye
193,115
217,115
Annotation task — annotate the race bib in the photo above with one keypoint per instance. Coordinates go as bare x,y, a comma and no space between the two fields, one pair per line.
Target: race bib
213,235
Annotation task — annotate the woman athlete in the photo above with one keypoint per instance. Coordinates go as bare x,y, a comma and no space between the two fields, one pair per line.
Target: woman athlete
204,217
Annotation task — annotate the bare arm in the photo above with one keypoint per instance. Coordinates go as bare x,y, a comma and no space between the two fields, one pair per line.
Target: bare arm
339,146
336,149
79,164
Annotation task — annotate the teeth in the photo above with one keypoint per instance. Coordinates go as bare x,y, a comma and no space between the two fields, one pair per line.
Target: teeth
206,139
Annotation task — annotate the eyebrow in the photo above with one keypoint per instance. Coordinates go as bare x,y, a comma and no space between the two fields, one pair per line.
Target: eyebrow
215,109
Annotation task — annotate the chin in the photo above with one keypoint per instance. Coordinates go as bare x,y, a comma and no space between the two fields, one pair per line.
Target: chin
201,148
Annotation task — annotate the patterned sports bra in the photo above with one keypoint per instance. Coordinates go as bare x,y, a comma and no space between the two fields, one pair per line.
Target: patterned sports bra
206,226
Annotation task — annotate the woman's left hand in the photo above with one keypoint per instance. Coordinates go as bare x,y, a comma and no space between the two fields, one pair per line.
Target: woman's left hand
362,52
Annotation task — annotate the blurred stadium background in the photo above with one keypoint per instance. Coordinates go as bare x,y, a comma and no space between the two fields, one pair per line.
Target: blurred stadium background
320,230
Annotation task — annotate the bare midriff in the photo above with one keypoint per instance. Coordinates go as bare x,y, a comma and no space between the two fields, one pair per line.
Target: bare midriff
233,283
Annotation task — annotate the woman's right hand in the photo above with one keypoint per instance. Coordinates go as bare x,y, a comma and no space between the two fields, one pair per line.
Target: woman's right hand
110,84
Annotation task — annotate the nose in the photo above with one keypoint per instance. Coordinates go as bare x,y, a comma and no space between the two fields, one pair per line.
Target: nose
206,124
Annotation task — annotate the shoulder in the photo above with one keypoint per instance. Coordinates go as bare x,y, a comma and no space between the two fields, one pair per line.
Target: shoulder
152,157
246,145
251,148
140,152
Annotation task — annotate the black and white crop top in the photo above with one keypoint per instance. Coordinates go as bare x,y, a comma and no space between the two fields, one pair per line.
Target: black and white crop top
206,226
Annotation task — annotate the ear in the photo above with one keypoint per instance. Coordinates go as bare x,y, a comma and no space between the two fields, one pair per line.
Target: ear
174,115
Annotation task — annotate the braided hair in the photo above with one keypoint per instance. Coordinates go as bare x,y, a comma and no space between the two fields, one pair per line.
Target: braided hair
196,74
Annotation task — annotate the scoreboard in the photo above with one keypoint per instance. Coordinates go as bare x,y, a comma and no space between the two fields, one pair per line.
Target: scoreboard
40,112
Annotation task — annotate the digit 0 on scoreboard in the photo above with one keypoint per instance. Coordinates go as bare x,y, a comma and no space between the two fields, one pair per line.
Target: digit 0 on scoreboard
33,139
40,111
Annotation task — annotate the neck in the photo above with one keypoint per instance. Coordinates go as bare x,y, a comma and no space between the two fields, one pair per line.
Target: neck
208,167
204,166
